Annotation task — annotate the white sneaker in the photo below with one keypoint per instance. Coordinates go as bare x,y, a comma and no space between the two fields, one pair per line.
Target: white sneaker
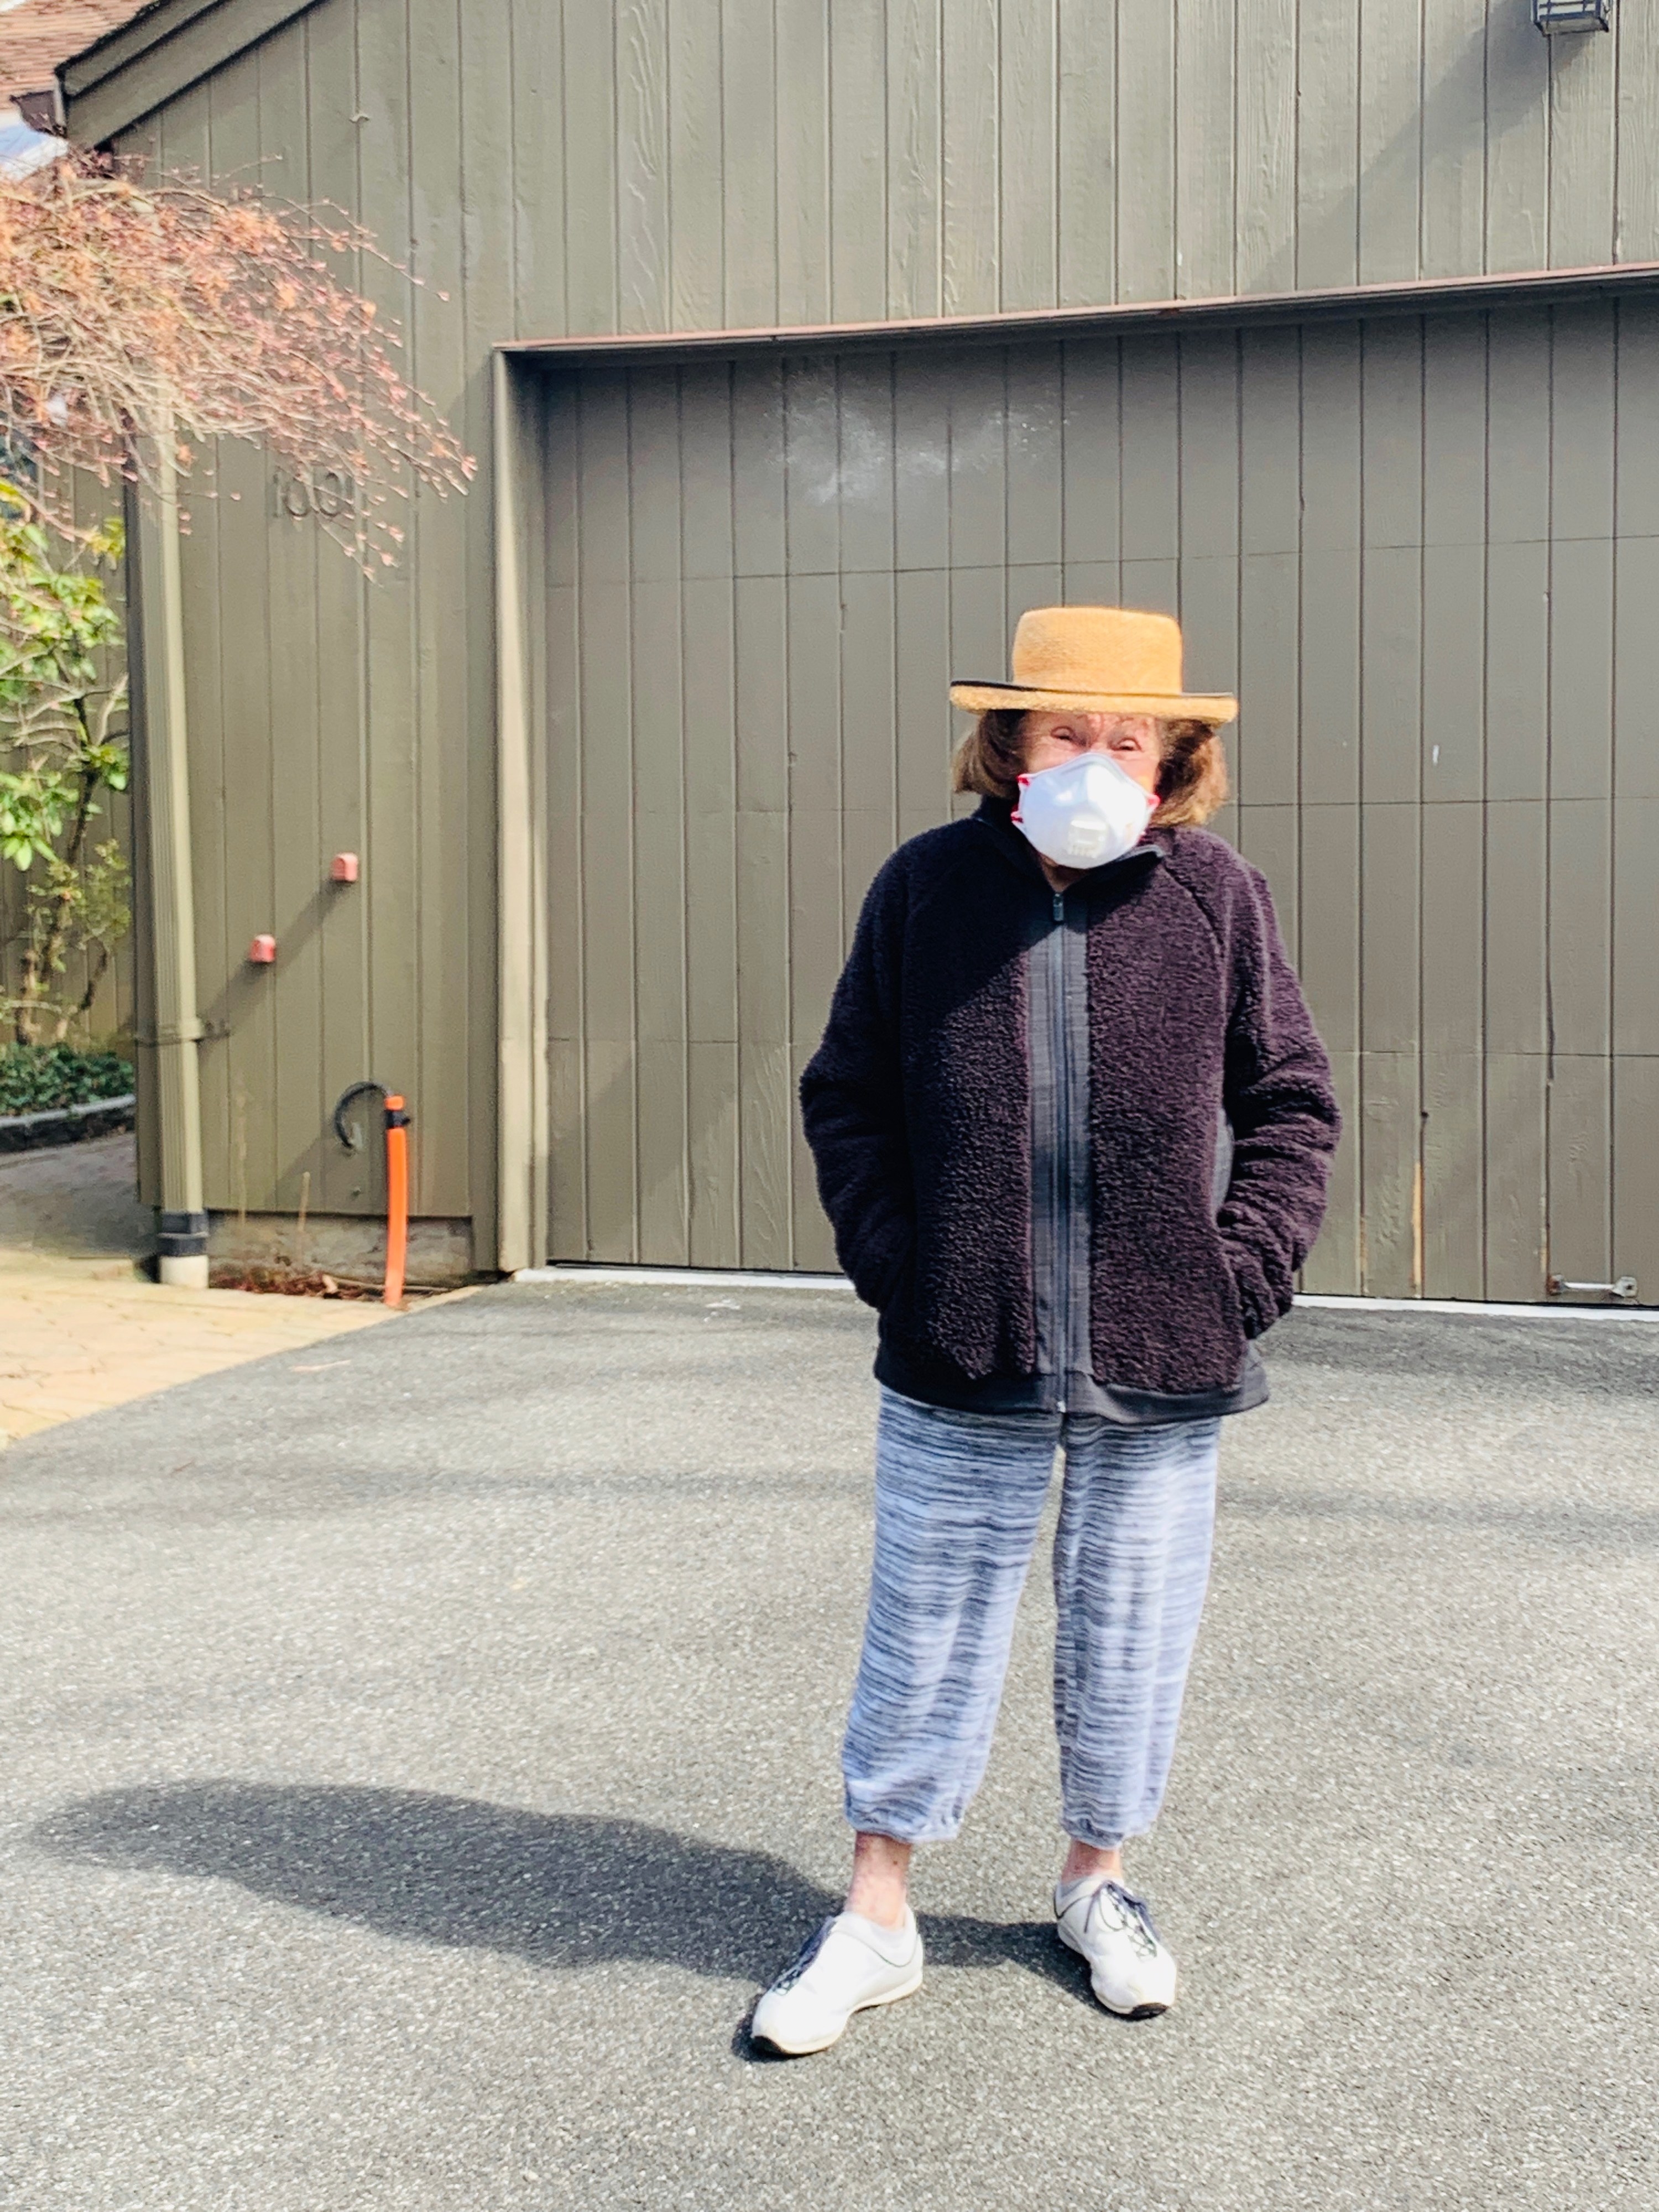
849,1965
1133,1975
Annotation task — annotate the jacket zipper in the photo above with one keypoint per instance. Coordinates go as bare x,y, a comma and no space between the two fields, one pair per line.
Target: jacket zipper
1060,1192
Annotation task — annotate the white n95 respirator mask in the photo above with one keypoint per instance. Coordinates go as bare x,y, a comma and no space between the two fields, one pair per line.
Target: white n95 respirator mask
1085,812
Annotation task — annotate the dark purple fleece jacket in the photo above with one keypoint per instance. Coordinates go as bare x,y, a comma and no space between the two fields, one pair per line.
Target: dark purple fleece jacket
917,1106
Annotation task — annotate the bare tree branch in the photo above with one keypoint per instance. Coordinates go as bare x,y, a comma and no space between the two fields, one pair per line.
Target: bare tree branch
127,305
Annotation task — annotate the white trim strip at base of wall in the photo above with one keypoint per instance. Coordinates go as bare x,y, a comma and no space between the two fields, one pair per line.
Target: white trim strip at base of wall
687,1279
732,1279
1547,1312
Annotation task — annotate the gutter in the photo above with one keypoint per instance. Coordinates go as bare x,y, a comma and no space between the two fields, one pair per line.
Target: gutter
1423,295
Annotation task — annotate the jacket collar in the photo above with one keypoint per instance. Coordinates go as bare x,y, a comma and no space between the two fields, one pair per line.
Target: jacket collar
995,818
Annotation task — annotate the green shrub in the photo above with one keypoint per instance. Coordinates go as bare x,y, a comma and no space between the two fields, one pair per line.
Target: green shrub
35,1078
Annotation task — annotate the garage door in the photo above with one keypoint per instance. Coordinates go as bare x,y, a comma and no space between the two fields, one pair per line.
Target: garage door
1423,552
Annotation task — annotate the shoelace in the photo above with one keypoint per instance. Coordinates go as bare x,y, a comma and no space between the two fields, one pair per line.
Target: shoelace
1133,1914
809,1951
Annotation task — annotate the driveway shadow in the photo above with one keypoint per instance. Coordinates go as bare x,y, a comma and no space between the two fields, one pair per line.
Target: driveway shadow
558,1890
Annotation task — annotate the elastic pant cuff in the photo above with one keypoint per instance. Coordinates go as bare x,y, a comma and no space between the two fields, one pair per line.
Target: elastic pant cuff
1097,1840
867,1820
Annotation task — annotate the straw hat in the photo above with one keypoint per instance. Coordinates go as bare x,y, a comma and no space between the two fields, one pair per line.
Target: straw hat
1107,661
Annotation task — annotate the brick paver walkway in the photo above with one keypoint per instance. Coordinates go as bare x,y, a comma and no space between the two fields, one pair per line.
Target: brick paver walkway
79,1330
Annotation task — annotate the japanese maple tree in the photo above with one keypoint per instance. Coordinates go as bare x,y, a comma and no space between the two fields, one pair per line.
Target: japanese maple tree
135,310
141,321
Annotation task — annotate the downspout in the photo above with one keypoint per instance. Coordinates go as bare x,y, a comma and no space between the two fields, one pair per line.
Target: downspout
521,912
163,738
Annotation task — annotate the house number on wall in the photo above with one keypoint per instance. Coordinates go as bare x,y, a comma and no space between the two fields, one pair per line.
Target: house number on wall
328,495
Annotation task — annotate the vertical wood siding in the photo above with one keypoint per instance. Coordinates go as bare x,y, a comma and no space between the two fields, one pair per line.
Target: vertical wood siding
549,167
327,714
1409,544
653,165
737,162
752,161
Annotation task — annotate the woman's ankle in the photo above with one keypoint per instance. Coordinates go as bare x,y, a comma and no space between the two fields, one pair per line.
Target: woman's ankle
881,1879
1090,1863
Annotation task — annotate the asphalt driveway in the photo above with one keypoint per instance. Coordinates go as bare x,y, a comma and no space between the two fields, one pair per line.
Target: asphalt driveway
420,1748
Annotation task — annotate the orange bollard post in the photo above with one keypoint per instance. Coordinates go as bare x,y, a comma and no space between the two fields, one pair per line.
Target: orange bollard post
398,1119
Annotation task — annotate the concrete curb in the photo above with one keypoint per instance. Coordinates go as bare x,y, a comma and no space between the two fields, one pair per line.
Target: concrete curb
67,1124
722,1278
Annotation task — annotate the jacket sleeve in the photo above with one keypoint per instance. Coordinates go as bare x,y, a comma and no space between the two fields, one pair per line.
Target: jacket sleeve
852,1103
1283,1110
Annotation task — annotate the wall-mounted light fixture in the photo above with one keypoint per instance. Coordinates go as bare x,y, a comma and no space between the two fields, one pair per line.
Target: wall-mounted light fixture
1555,17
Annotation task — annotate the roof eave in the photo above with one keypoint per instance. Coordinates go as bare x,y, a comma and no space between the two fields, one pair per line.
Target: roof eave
162,51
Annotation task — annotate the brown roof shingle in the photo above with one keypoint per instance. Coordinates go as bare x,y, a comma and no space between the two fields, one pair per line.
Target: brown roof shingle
36,36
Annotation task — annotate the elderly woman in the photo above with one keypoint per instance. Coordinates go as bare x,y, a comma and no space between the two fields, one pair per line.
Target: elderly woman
1073,1128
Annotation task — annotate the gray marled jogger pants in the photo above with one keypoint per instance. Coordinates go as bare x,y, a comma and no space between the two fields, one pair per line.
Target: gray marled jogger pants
958,1497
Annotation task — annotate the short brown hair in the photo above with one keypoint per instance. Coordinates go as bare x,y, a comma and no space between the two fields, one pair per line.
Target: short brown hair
1192,776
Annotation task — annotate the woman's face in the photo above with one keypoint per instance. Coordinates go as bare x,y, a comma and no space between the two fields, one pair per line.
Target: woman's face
1134,742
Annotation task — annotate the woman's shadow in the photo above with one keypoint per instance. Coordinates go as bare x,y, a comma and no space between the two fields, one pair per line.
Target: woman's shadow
559,1890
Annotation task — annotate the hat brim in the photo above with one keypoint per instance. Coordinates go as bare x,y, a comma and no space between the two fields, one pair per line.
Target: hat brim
1167,706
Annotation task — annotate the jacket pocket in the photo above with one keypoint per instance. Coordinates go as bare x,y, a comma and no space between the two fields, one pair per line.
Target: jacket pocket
899,1297
1226,1298
881,1282
1255,1318
1236,1297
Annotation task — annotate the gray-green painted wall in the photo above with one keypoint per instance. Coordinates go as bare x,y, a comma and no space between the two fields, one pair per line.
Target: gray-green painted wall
1424,552
645,165
640,166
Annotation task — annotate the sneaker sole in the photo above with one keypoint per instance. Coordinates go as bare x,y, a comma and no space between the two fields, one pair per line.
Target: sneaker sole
870,2004
1118,2012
